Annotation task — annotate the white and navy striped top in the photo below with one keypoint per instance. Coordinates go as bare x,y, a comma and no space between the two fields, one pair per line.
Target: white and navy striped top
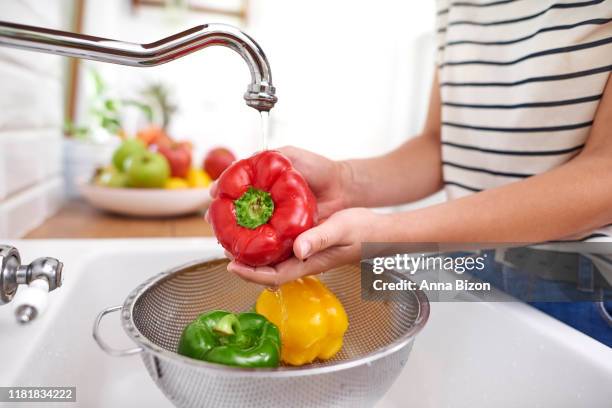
520,82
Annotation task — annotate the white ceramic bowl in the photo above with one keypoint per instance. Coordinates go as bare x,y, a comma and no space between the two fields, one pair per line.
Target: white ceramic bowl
144,202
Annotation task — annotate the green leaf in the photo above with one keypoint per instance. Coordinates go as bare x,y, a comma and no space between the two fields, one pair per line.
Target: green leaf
111,105
111,124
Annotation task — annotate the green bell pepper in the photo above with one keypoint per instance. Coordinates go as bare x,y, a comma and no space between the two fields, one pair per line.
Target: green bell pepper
242,340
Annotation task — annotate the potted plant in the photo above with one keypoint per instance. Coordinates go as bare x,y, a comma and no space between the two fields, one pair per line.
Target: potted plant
90,146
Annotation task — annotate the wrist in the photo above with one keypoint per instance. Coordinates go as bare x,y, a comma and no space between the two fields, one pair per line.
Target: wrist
400,227
348,184
386,229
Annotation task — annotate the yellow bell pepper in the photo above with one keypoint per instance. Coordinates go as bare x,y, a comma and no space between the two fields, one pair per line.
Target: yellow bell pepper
197,178
310,318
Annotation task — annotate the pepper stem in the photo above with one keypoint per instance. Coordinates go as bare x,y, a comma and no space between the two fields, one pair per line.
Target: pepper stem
254,208
227,325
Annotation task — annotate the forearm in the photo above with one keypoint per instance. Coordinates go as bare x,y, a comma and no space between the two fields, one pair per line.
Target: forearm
408,173
567,201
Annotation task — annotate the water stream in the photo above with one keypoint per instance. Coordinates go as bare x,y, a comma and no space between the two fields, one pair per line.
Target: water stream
265,129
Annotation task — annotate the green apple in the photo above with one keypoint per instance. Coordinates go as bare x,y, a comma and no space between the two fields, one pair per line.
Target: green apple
109,176
147,170
128,147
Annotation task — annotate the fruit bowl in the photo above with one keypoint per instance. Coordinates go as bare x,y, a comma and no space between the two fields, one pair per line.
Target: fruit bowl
146,202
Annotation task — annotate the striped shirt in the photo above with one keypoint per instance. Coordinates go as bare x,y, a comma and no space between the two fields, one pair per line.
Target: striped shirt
520,82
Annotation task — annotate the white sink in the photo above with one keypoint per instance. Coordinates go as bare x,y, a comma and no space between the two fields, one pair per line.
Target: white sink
468,355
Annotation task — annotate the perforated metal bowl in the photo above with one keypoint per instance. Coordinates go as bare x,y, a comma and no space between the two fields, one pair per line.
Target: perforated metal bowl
376,345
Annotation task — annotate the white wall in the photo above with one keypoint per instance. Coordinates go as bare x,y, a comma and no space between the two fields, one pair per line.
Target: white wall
31,117
345,71
350,80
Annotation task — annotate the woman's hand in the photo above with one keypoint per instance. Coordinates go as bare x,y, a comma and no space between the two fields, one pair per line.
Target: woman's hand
334,242
329,180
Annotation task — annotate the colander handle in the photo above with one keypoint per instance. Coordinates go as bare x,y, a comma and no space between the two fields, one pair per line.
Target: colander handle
105,347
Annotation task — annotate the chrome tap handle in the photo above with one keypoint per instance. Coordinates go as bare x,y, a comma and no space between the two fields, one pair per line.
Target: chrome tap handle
42,276
260,93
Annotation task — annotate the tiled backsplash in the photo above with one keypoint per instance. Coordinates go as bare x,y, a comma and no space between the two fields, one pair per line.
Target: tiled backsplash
28,157
31,117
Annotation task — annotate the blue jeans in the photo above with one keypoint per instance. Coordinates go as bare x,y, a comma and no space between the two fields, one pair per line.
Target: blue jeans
586,316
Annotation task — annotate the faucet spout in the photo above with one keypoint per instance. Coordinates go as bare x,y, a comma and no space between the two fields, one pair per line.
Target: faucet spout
260,93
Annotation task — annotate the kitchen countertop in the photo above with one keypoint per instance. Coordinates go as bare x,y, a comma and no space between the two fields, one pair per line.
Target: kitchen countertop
77,219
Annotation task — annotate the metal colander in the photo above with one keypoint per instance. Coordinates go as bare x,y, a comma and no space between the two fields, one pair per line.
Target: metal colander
376,345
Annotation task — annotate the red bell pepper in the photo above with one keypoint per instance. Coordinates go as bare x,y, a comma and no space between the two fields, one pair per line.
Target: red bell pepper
262,205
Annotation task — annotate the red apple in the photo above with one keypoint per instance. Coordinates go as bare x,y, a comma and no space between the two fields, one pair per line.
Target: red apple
217,160
179,158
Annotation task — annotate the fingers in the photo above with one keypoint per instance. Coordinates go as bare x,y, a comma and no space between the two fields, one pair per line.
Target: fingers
214,190
316,251
327,208
291,152
263,275
281,273
294,268
296,156
323,261
319,238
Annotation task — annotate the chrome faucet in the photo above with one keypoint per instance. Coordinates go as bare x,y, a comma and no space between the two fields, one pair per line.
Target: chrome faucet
259,94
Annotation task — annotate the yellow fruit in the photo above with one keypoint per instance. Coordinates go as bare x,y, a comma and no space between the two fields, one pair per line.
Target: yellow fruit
310,318
176,183
197,178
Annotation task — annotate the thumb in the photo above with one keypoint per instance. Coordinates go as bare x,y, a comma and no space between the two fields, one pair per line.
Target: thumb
323,236
214,189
